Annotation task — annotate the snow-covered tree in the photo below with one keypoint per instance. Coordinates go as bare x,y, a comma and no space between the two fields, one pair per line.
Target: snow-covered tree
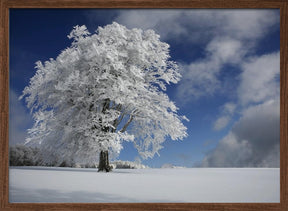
104,89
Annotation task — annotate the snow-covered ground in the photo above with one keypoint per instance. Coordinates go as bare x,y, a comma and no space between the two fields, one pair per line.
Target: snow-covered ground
43,184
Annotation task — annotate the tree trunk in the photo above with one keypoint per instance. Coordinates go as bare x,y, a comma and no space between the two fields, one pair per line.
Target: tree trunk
104,162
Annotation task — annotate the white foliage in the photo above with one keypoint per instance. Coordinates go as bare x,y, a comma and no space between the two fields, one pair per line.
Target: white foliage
84,100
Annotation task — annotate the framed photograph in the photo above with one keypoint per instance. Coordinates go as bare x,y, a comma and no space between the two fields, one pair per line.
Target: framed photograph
144,105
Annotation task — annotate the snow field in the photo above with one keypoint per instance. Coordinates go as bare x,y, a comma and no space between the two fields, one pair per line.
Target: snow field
44,184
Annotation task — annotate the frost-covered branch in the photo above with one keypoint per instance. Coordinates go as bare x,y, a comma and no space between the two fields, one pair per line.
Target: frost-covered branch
127,124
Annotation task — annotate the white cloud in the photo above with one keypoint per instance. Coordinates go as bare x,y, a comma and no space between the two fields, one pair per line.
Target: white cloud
259,79
227,110
19,119
162,21
198,25
221,123
253,142
226,50
200,78
249,24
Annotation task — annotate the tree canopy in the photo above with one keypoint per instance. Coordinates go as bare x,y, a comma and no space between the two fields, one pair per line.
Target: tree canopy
106,88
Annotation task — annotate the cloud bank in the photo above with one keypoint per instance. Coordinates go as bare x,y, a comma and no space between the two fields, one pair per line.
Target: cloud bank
199,25
252,142
255,139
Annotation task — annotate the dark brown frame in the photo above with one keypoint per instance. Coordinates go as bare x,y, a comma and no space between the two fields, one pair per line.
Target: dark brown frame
4,101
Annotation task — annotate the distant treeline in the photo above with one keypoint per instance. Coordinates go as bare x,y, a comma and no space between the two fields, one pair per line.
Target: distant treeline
21,155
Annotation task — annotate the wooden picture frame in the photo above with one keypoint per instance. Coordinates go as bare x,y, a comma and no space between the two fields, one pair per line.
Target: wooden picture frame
4,101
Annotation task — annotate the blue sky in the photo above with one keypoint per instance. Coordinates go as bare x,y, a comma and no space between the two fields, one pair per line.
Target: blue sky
230,65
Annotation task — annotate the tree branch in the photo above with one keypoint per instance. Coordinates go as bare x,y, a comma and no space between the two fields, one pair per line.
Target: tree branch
127,124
